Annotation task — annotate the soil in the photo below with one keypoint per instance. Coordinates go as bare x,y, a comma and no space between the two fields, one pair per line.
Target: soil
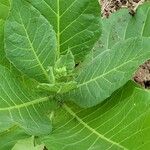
142,75
110,6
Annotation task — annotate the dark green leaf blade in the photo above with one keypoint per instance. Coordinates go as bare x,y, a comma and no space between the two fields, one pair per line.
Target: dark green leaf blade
77,23
30,41
120,123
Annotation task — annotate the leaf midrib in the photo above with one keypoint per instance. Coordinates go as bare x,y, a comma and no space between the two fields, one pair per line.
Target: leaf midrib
101,76
73,114
36,101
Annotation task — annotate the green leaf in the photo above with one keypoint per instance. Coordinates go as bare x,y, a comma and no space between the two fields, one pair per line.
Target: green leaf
9,138
4,8
50,71
3,60
27,144
109,71
77,23
30,41
2,53
121,25
122,122
22,106
66,87
118,28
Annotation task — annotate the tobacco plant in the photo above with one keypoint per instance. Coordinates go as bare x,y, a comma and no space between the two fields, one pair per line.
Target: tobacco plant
66,76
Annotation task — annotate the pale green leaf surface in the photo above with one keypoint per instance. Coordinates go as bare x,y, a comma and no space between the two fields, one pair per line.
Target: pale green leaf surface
109,71
23,107
3,60
76,22
121,25
27,144
4,10
122,122
2,53
30,41
9,138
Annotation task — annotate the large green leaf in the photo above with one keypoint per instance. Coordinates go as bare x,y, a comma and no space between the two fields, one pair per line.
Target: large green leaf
122,122
109,71
30,41
9,138
76,22
97,85
23,107
121,25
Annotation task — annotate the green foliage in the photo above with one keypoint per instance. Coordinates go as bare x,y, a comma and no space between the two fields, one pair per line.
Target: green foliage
108,71
27,144
25,47
122,122
10,137
65,76
76,23
4,7
4,10
21,106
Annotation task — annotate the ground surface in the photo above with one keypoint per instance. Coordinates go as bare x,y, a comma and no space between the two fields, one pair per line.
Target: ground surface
110,6
142,76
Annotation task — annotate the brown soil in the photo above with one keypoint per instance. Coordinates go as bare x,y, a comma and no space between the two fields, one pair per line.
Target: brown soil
142,75
110,6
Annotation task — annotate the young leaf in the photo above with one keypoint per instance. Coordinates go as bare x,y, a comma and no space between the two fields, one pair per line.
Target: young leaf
58,88
66,61
109,71
120,123
30,41
76,22
3,60
27,144
23,107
